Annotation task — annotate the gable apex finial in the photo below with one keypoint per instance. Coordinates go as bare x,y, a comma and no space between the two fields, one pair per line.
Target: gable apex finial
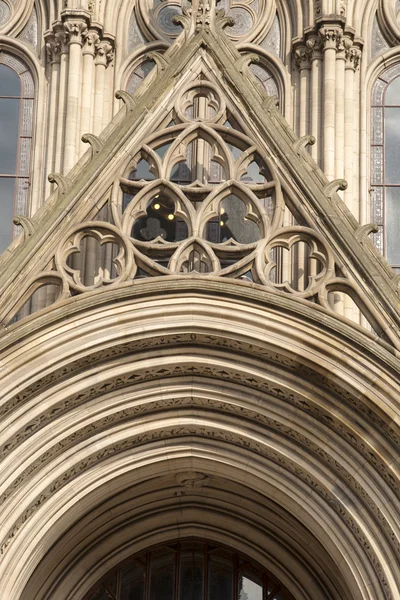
203,16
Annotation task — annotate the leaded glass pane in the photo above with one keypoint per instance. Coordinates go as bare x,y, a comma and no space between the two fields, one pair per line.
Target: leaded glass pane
392,145
220,577
392,96
101,594
132,582
393,225
162,575
10,84
7,187
250,586
9,126
192,574
191,570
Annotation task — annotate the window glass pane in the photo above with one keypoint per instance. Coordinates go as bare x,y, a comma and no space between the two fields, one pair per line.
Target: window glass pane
9,126
100,594
220,578
234,223
132,582
392,96
393,225
7,185
191,575
392,145
162,575
10,84
250,586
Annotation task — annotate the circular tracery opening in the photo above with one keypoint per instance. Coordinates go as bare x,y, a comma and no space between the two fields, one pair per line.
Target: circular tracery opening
191,570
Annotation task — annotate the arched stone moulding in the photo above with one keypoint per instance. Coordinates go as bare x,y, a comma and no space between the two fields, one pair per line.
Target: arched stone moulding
147,513
301,403
19,13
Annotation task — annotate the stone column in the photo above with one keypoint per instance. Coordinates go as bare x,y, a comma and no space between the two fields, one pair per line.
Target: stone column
313,44
104,55
299,256
303,63
53,51
339,111
352,62
88,72
331,38
76,29
61,38
109,93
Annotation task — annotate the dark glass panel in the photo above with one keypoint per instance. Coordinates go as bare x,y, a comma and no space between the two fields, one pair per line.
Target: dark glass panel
192,574
250,586
100,594
161,150
392,145
393,225
142,172
162,575
234,223
253,174
132,582
7,186
9,128
392,96
220,586
10,84
160,222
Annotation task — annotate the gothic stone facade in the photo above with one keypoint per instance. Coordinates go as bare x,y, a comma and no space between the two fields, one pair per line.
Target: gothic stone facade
199,338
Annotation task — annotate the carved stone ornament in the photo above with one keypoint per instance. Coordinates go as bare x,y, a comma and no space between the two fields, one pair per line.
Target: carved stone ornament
76,31
104,51
331,37
192,480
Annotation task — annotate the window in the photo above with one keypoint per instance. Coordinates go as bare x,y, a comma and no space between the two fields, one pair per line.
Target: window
191,570
385,164
16,116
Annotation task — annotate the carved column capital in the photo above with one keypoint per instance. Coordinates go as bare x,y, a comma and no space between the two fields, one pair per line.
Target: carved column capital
331,37
353,58
104,51
76,31
302,56
314,47
53,47
76,23
91,40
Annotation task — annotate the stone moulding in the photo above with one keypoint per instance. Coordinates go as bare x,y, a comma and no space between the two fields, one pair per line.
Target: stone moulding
250,357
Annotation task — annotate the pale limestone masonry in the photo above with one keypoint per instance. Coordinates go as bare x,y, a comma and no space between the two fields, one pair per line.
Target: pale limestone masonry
162,379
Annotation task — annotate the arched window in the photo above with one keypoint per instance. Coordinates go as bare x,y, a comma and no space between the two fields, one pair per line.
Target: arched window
385,163
190,570
16,117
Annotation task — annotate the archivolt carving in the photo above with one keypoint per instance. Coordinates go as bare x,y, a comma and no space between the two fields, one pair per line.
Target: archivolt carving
205,431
